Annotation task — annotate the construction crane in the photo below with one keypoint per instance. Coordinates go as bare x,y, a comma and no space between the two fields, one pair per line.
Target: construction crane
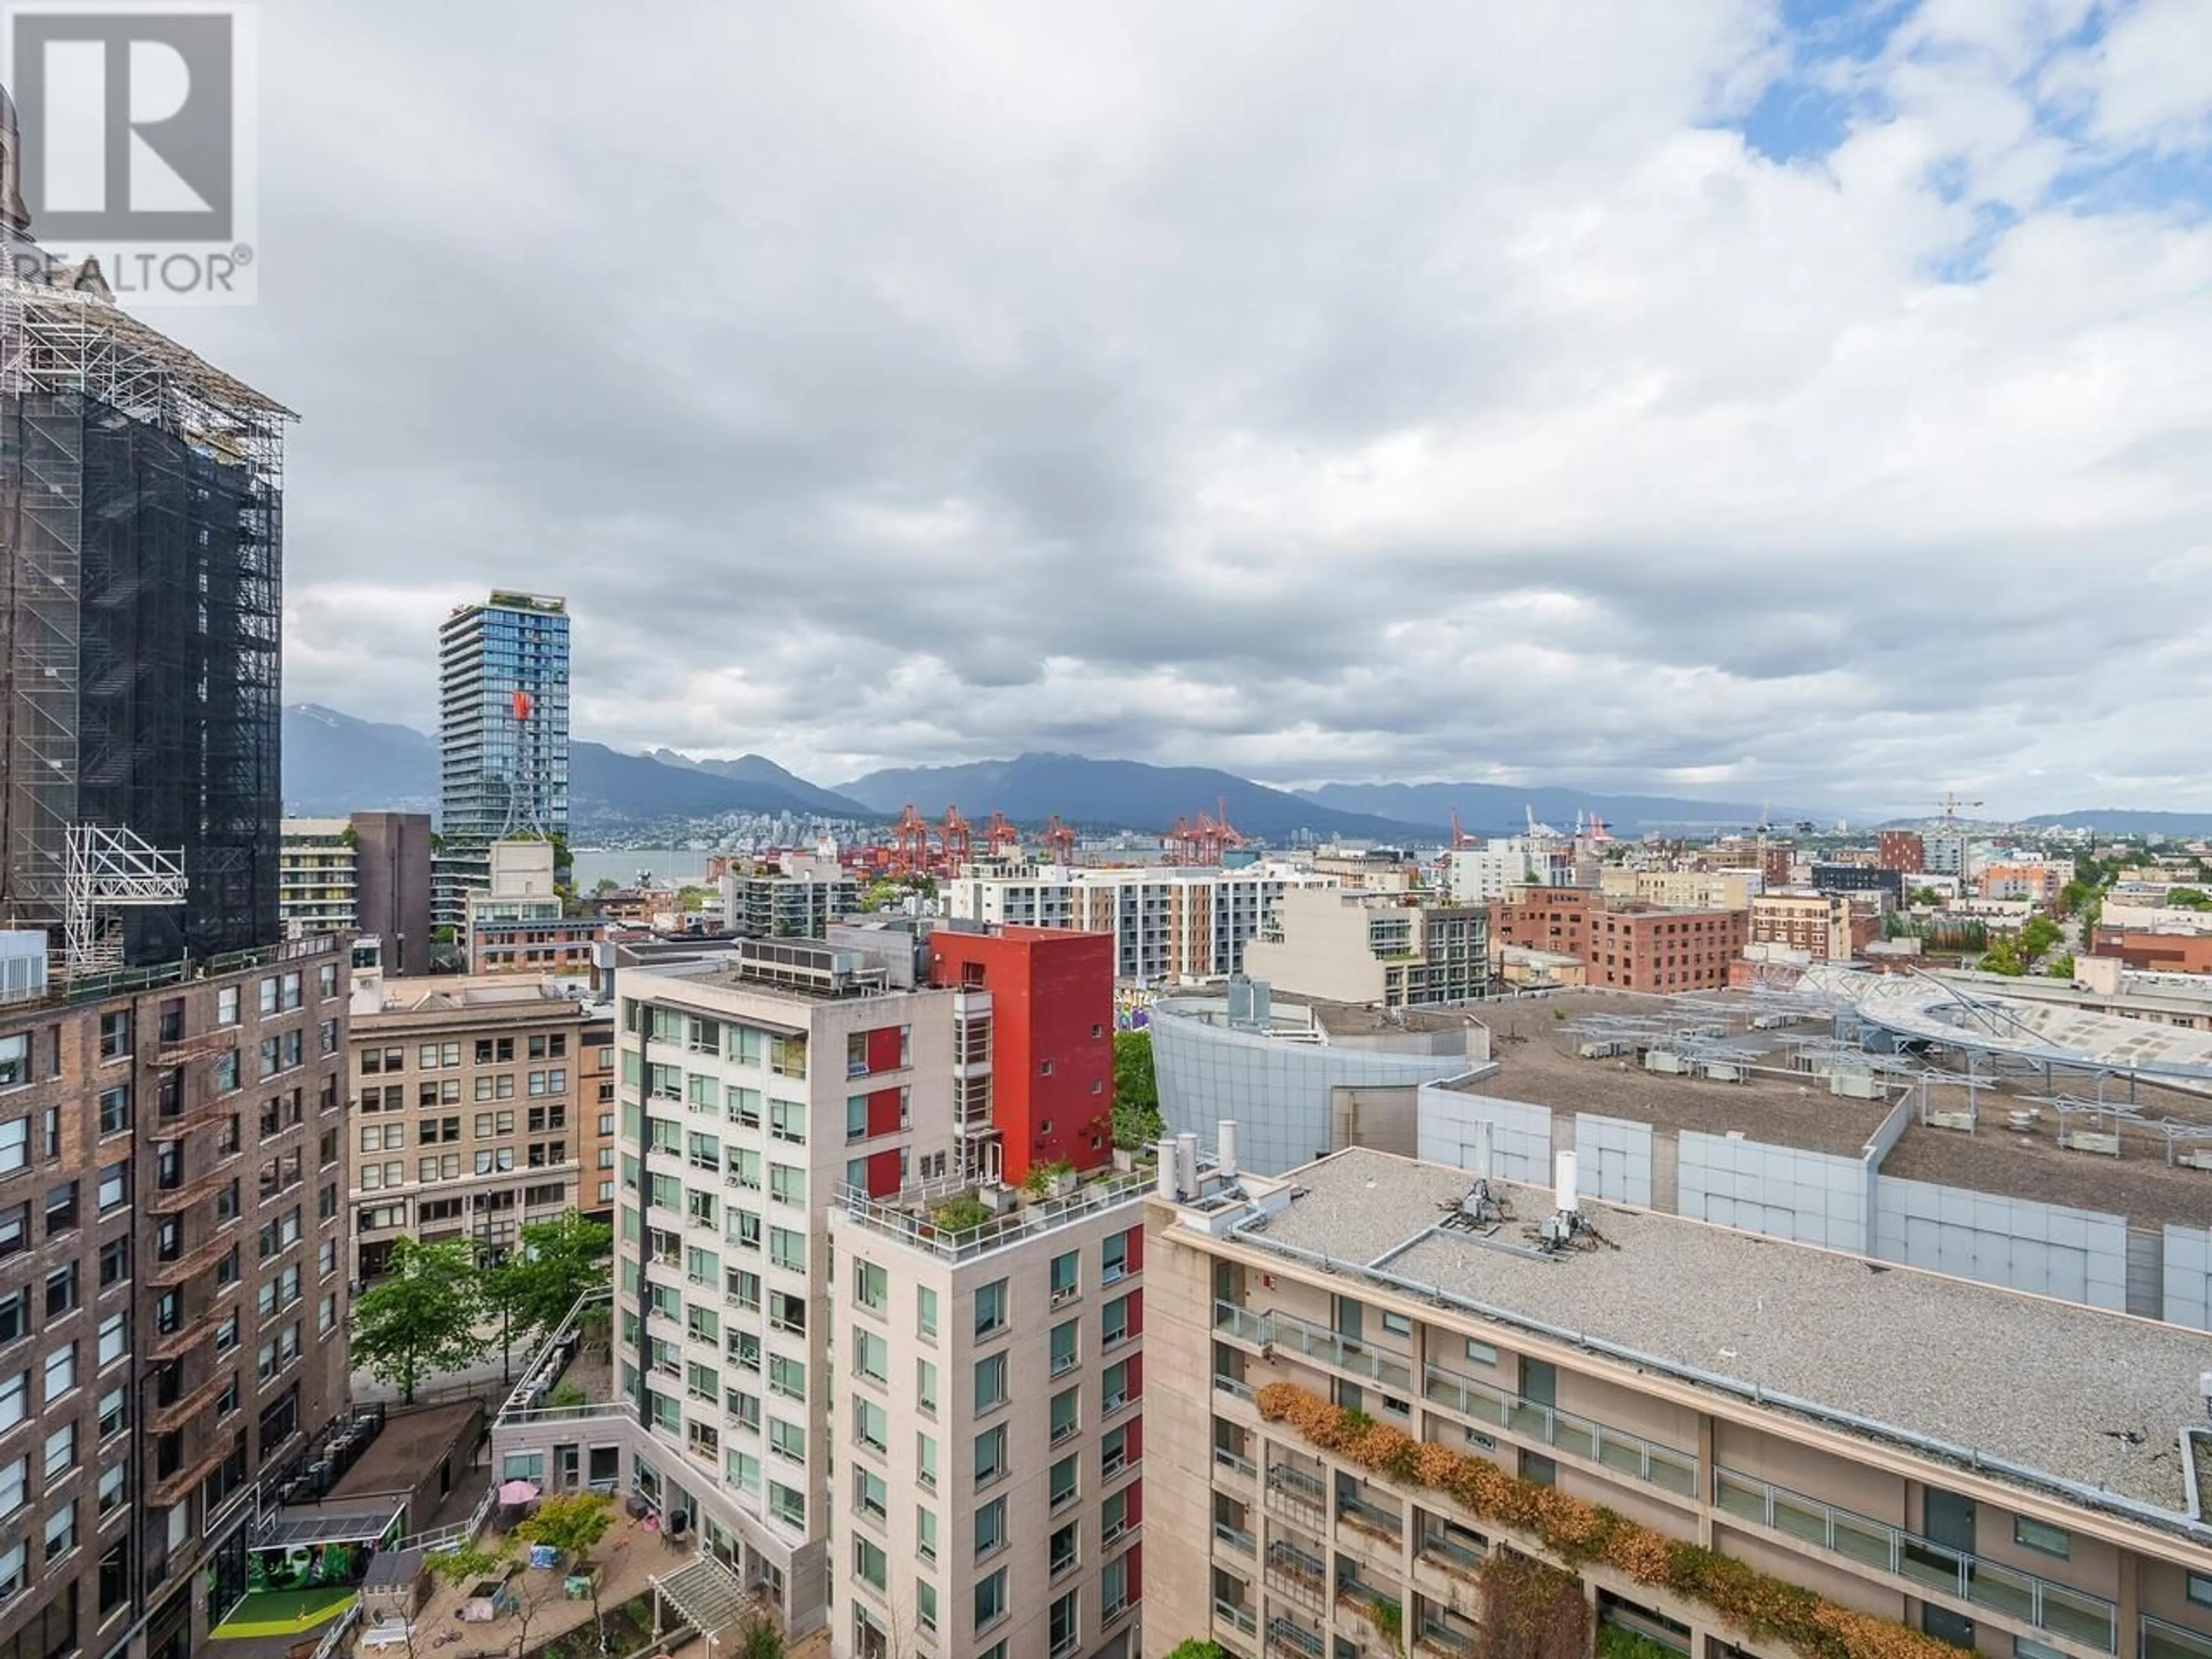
1951,804
1059,841
1211,838
911,842
1460,838
999,835
1181,842
956,841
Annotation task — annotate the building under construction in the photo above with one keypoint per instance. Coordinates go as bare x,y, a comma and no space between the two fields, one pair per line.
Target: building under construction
141,504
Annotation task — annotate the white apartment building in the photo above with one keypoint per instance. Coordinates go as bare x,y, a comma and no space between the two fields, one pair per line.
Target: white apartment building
991,1438
1172,925
315,877
1481,874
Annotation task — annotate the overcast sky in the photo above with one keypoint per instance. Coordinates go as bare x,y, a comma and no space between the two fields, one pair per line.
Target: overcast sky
1810,402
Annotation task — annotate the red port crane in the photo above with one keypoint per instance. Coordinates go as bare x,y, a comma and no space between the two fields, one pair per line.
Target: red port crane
1060,841
911,842
1460,838
999,835
956,841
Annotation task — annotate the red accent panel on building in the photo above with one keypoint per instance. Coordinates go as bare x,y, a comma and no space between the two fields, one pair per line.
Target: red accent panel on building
1133,1513
1136,1249
1135,1385
883,1049
883,1174
1136,1301
883,1112
1051,1005
1136,1560
1133,1443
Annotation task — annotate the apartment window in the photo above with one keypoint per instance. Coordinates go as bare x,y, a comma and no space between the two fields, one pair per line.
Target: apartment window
786,1185
1113,1258
925,1386
115,1035
924,1460
787,1312
990,1308
1114,1517
61,1374
868,1564
786,1505
991,1383
114,1412
787,1249
925,1313
871,1356
14,1145
114,1187
61,1208
1482,1353
114,1485
1397,1324
114,1339
1113,1452
788,1439
786,1122
1063,1625
1113,1587
787,1376
61,1532
990,1600
14,1060
15,1315
1067,1276
2042,1538
1067,1414
991,1529
60,1452
872,1425
925,1532
990,1455
744,1228
1067,1346
1061,1555
115,1110
871,1286
15,1481
2197,1586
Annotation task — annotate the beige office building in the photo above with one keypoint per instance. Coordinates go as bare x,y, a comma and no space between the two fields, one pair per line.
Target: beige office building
1366,948
479,1104
2009,1474
1682,890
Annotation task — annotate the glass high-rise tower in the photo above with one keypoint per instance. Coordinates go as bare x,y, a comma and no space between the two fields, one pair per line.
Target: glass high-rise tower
503,720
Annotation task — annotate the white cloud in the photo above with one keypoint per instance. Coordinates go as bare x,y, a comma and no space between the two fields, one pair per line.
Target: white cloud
1453,397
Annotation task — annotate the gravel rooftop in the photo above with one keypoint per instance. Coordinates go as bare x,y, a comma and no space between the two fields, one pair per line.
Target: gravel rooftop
2048,1385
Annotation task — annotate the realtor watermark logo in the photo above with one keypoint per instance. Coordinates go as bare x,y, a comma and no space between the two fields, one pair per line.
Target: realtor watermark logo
135,147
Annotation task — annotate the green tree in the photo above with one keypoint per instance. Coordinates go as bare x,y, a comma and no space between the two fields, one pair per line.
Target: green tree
2063,968
574,1522
1196,1648
604,885
1927,895
2189,898
1137,1121
692,899
2037,936
760,1640
2003,957
420,1318
557,1262
471,1564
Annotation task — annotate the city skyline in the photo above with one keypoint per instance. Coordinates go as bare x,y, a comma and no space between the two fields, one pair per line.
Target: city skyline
1712,398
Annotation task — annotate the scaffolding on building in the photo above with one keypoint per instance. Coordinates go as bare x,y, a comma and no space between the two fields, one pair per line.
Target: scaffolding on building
141,502
111,869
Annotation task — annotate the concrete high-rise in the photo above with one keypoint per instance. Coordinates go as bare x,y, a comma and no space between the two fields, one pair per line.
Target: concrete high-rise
503,719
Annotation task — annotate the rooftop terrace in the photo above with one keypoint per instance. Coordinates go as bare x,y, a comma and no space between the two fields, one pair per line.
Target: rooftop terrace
2057,1392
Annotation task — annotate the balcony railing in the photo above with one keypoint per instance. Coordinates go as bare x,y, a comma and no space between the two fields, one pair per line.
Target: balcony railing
1562,1430
1370,1518
912,1226
2008,1591
2163,1641
1230,1612
1286,1331
1235,1537
1288,1637
1225,1459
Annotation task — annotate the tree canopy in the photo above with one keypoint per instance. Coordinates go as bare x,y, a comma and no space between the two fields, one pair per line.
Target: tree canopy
420,1318
558,1261
1137,1121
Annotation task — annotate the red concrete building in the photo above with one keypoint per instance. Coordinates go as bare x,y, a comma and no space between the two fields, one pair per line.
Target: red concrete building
1049,1046
1902,850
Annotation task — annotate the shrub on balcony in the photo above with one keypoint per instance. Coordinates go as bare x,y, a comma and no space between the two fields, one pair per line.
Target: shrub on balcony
1531,1610
1579,1532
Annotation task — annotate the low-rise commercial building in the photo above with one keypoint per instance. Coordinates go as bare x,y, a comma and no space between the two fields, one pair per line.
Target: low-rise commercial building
1682,890
1629,946
1535,1381
1825,926
475,1110
1390,950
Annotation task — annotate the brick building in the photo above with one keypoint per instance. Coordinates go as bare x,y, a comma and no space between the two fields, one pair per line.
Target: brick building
173,1287
1902,850
1632,946
1827,926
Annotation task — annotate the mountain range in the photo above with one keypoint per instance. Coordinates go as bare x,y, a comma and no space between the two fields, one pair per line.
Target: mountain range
336,763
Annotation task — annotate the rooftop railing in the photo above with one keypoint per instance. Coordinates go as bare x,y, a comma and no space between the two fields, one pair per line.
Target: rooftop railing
1287,1331
901,1221
1579,1436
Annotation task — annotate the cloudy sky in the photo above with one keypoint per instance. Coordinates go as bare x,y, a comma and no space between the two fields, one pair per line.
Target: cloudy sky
1796,401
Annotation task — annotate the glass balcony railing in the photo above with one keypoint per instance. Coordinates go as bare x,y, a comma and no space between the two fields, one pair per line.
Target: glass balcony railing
1371,1517
1230,1612
2008,1591
1288,1637
1293,1482
1236,1538
2163,1641
1562,1430
1324,1348
1226,1459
